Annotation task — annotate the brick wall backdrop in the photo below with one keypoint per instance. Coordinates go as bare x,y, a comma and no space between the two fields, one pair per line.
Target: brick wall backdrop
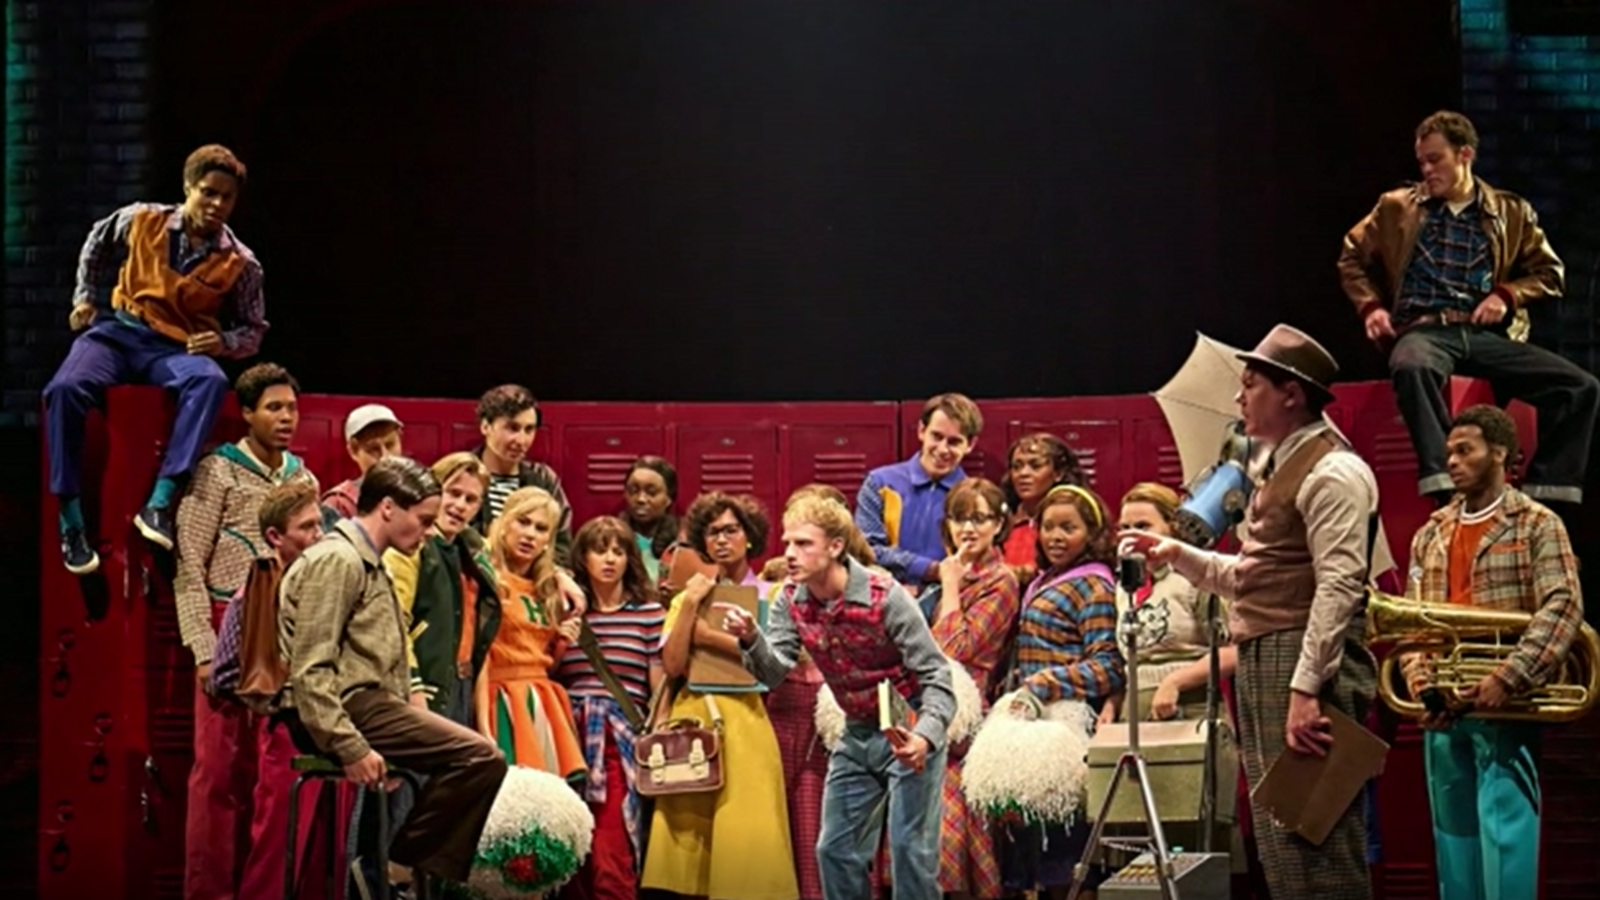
1536,101
77,91
77,84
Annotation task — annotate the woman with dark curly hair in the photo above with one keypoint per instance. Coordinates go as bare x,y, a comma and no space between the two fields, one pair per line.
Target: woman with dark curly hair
1036,463
732,843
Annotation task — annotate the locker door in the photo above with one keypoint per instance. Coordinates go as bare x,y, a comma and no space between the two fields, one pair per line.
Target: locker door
1153,455
597,459
1378,433
1097,443
837,455
734,459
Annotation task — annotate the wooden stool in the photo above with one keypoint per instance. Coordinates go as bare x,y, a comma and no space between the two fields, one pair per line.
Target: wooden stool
326,768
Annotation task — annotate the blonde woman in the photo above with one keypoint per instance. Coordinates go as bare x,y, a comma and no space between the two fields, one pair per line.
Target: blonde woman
1173,639
526,712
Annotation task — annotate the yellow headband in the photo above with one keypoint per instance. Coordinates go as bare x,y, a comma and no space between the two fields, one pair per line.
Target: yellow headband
1087,497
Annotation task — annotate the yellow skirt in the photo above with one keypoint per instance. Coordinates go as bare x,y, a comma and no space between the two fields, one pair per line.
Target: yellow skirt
746,823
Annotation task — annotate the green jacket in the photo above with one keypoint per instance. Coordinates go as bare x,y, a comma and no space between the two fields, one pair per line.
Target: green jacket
428,585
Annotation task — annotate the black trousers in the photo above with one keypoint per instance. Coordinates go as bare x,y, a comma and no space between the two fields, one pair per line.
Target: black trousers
1566,397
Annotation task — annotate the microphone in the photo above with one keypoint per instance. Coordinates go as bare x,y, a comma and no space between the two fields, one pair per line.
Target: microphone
1130,572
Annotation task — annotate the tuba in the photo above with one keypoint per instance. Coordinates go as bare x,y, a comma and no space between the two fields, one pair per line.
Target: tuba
1466,643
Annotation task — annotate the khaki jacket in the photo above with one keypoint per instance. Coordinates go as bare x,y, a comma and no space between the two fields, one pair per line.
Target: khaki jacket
341,631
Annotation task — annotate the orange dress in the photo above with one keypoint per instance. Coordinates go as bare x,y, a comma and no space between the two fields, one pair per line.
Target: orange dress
530,714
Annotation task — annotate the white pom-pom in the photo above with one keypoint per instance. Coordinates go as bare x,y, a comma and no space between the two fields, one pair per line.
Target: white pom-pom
534,809
829,719
1027,765
969,704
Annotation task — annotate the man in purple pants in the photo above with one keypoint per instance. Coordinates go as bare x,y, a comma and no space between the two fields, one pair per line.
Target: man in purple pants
163,290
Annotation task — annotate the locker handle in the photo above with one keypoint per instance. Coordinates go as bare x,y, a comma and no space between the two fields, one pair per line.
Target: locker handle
61,681
60,854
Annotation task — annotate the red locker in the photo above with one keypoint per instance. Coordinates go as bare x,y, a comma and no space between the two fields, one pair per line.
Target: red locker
840,453
731,458
594,444
114,735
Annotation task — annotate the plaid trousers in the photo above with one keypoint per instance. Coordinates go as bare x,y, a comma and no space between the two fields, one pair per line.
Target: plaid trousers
1295,867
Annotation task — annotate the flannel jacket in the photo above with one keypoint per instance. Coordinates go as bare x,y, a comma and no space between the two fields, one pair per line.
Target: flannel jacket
1524,563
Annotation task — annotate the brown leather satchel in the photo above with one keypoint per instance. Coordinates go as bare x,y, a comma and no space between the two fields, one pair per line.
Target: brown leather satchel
680,756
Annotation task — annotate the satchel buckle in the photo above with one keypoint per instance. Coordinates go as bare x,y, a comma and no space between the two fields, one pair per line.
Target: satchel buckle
657,765
697,760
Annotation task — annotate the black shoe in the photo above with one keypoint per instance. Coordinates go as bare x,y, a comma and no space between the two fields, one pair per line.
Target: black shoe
79,557
155,523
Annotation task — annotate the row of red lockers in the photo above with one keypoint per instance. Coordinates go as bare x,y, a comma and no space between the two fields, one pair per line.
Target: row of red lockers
116,710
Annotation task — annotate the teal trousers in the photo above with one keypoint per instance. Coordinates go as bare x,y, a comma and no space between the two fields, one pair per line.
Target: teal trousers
1483,785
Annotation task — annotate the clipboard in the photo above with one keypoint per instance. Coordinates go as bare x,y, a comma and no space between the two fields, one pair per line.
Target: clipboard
686,563
718,671
1308,794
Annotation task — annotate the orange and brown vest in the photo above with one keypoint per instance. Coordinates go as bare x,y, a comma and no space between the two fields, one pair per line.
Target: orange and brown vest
1276,578
173,304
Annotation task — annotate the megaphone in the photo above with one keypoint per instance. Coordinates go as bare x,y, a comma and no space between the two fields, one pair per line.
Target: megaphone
1219,497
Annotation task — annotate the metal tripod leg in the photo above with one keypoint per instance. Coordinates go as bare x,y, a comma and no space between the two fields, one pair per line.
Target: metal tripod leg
1157,837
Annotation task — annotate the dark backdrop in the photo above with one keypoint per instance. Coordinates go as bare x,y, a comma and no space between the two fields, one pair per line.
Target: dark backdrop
796,199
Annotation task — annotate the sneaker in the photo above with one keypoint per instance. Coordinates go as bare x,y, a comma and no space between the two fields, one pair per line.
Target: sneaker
156,524
79,557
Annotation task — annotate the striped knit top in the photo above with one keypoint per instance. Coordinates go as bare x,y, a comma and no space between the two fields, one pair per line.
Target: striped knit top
1067,639
630,639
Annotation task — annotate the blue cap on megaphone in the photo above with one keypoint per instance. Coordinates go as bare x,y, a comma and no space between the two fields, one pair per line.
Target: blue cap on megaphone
1216,503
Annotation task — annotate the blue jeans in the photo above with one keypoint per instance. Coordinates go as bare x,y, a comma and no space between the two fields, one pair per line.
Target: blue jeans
1483,786
863,776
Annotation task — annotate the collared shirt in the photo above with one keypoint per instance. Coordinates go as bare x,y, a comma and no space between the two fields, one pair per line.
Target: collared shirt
243,313
1524,563
1450,268
1337,500
773,653
899,510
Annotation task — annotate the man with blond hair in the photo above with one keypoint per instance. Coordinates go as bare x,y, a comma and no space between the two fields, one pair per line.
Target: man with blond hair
900,507
860,628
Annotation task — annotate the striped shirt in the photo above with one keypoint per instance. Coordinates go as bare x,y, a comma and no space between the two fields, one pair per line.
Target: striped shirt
630,639
1067,642
500,487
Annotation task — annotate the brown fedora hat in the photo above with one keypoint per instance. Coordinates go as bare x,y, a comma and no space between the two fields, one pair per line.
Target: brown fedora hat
1293,352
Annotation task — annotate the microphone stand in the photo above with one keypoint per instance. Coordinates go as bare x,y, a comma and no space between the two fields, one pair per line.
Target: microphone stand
1132,762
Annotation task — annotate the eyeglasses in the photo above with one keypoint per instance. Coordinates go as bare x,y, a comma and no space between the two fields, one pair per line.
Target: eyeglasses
974,521
728,531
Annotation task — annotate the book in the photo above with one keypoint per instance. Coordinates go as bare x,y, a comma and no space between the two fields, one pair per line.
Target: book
895,715
715,670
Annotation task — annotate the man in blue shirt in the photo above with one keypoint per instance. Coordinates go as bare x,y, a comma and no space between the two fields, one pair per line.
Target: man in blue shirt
901,506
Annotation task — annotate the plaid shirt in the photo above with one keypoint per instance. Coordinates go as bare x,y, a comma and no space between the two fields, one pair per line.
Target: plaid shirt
600,716
1067,642
975,633
1525,564
1450,268
243,313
